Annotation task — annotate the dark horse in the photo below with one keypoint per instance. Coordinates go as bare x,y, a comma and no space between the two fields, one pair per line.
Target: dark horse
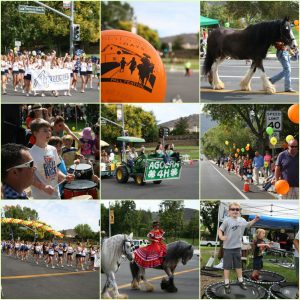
252,43
175,252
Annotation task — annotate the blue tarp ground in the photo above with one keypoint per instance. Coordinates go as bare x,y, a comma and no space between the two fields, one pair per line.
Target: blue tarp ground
274,222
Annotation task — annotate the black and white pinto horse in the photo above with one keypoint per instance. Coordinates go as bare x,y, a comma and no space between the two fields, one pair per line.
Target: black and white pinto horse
112,251
176,251
251,43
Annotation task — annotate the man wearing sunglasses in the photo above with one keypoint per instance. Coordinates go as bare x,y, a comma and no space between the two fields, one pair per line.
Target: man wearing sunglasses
287,168
17,171
231,233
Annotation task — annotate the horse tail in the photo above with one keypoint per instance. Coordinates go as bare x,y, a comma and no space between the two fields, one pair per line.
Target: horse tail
208,62
211,51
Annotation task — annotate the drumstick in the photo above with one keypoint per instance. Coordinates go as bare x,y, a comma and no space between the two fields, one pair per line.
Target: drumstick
65,178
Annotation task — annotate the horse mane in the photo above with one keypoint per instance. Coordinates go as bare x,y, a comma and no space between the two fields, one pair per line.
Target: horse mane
111,251
264,33
175,250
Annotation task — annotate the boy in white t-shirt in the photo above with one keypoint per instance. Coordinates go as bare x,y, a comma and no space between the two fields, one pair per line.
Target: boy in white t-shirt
231,233
47,175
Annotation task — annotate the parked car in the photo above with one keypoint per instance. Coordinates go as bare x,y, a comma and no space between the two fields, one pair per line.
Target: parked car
209,243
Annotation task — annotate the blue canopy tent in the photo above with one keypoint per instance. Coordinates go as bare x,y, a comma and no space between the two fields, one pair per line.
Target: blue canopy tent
275,222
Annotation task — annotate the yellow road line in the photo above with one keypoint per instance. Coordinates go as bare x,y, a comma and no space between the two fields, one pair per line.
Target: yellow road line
209,90
44,275
159,277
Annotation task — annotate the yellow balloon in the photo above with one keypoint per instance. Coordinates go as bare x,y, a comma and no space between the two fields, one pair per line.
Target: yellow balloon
248,145
289,138
296,22
273,140
226,143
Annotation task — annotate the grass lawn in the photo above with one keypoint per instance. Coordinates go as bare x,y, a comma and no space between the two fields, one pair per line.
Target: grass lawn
192,151
180,65
289,274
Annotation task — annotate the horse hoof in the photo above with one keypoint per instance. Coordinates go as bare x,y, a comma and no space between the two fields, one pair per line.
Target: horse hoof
270,90
135,285
172,289
218,86
245,87
105,296
122,296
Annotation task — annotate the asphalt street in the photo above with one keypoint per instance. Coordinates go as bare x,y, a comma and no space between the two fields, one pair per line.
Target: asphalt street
186,280
180,87
23,280
187,187
90,96
216,183
231,73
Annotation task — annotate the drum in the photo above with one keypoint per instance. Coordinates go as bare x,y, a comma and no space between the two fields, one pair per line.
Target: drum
83,171
80,187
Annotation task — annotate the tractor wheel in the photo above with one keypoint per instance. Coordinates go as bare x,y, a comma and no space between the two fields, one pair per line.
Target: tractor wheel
139,180
122,174
157,181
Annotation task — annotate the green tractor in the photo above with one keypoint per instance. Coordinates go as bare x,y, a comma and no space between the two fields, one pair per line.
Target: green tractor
146,168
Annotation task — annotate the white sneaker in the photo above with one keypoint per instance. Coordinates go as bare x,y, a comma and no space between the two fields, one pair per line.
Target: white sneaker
27,95
46,266
82,91
62,266
69,94
65,93
53,267
43,95
15,89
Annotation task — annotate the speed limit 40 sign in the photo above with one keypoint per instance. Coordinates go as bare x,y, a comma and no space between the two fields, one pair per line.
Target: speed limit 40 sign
274,119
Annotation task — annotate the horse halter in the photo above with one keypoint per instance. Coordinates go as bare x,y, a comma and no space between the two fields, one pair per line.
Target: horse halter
283,38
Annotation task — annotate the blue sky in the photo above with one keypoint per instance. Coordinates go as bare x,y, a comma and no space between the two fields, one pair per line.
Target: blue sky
63,214
168,18
170,111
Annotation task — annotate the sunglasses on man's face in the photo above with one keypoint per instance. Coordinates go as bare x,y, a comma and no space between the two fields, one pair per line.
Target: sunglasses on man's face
234,209
29,164
294,146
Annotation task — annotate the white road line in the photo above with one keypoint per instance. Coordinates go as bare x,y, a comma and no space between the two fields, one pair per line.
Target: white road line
235,187
255,77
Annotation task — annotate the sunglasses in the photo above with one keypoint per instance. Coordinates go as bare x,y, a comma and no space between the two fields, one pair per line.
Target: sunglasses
294,146
235,209
29,164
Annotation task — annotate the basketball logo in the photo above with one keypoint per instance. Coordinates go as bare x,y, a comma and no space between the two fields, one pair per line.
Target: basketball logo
131,69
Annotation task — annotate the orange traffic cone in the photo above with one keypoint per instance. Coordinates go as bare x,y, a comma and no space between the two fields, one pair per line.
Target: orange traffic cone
246,187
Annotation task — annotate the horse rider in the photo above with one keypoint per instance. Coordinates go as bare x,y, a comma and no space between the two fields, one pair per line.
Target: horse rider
152,255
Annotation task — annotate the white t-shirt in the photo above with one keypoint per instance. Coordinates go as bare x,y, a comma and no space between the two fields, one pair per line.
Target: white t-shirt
46,161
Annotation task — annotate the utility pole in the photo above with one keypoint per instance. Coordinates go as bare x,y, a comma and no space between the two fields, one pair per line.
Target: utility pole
70,18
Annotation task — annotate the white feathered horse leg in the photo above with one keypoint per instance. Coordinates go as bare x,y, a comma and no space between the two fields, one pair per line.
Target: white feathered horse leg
148,286
115,292
217,84
267,85
245,83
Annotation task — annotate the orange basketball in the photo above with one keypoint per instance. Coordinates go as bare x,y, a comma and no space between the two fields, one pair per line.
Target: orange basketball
131,69
293,113
282,187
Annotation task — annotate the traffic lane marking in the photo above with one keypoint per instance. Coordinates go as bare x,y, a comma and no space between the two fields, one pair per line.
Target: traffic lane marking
210,90
160,277
43,275
233,185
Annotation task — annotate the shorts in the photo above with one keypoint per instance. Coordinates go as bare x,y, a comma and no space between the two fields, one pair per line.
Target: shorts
69,254
60,254
258,263
89,72
82,73
2,73
98,74
78,255
232,259
15,72
71,74
92,258
51,254
22,71
6,71
27,77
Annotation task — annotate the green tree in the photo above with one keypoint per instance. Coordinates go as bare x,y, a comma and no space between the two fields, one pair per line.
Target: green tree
138,122
209,217
48,31
192,227
252,116
181,127
83,231
171,217
178,42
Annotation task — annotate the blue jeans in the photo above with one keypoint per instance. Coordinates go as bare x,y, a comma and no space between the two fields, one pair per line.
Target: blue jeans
284,59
